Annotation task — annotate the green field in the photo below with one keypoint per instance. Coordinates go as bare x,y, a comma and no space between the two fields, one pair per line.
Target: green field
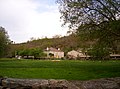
64,69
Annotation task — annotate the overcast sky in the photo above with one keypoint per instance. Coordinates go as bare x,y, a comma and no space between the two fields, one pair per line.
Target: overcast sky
24,19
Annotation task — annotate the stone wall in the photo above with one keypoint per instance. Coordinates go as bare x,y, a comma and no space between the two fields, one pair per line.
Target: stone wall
11,83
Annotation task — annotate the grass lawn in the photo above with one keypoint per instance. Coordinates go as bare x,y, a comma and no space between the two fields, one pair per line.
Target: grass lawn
64,69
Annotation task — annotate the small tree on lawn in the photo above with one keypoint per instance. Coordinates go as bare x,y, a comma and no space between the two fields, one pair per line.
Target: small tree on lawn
36,52
24,52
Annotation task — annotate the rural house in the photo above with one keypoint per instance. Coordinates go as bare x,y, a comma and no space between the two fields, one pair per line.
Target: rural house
53,52
75,54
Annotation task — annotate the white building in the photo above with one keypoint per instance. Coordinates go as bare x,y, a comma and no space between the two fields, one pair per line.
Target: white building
53,52
75,54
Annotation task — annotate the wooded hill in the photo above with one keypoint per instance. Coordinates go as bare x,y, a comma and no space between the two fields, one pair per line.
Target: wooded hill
66,43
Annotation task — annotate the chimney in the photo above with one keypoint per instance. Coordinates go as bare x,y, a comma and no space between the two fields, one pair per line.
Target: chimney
47,48
58,48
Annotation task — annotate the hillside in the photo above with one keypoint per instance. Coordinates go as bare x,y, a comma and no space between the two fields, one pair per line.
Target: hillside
66,43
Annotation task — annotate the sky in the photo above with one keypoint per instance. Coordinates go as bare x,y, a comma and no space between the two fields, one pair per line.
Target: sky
24,19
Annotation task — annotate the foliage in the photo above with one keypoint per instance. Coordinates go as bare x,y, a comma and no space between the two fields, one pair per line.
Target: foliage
96,20
99,52
80,12
4,41
70,70
32,52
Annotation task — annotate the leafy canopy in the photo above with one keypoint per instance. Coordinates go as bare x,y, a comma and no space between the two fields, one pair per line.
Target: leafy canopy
97,20
4,41
36,52
80,12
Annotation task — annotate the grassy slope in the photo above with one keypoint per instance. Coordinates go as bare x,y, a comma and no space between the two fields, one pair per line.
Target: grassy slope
70,70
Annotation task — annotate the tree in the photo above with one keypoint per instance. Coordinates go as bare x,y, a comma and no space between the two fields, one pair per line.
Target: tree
24,52
4,41
36,52
80,12
99,52
96,20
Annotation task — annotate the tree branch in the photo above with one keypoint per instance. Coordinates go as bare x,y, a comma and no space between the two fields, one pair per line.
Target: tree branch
107,9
